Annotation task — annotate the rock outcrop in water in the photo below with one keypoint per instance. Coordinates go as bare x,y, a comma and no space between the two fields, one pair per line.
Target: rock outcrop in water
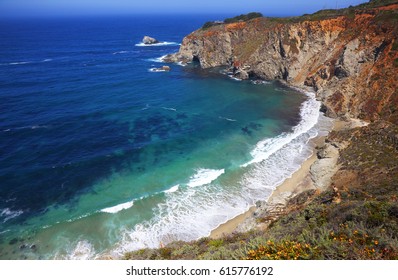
149,40
349,57
164,68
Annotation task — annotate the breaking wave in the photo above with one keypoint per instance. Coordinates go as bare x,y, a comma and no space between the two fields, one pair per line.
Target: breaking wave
204,176
211,199
158,44
118,208
158,59
172,189
309,117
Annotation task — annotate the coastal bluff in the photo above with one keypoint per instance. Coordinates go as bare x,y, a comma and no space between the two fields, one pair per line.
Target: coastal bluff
349,57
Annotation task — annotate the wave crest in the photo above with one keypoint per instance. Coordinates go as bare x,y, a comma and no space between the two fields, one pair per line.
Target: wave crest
118,208
172,189
204,176
9,214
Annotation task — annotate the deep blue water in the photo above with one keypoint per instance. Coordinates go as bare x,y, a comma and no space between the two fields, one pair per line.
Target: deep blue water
99,154
68,89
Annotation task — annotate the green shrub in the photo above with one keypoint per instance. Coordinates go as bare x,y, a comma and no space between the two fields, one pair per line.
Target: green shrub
285,250
210,24
216,243
246,17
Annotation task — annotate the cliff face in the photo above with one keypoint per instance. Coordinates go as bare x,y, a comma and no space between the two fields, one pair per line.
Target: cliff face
350,60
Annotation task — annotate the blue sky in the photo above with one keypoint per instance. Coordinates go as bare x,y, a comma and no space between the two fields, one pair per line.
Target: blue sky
9,8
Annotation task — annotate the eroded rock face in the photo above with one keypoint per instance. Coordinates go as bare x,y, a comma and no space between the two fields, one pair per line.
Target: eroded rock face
325,167
350,61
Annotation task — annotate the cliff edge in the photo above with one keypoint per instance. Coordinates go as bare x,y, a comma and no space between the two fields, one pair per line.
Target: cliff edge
349,56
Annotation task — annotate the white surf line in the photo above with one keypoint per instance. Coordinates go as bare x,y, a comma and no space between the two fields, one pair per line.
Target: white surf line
309,117
169,109
118,208
227,119
204,176
173,189
158,44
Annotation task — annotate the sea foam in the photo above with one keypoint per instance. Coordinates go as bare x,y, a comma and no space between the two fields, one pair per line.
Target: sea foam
185,215
194,212
172,189
309,116
227,119
204,176
158,44
118,208
158,59
83,250
157,70
9,214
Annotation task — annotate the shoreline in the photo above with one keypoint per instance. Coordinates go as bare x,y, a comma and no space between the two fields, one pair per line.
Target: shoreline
300,181
310,176
293,185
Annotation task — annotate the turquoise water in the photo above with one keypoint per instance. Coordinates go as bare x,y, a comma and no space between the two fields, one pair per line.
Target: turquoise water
101,155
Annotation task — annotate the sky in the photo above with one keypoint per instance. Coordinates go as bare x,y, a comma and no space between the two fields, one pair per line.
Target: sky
32,8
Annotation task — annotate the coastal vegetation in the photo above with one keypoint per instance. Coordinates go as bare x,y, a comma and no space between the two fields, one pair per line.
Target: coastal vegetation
246,17
333,13
240,18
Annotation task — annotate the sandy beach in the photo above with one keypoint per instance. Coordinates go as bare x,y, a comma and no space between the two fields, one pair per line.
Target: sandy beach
297,183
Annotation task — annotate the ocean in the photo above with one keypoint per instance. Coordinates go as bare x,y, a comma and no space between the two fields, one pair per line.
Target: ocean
101,154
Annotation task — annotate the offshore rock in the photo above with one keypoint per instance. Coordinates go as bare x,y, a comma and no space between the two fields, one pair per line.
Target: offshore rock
164,68
241,74
149,40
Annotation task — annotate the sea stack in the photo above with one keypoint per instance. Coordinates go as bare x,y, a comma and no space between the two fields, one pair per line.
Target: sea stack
164,68
149,40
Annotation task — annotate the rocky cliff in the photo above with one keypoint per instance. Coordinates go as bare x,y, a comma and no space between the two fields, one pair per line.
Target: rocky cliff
349,56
